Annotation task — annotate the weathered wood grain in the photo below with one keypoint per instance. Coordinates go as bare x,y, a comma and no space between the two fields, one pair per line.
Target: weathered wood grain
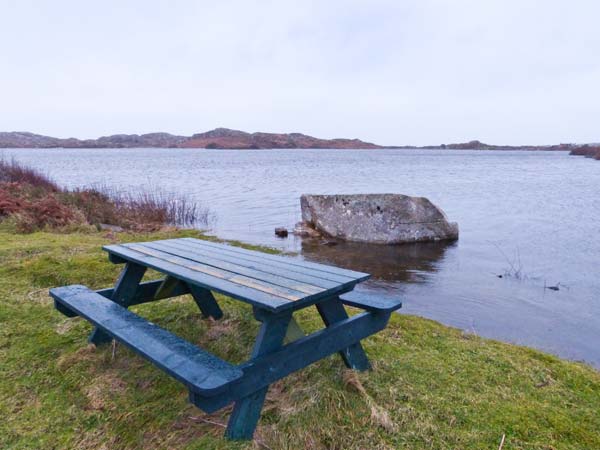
278,280
287,260
216,272
278,266
234,290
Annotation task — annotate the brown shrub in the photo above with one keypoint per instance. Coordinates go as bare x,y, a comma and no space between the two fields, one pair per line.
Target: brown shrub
50,212
33,209
15,172
589,151
9,204
35,202
148,210
95,206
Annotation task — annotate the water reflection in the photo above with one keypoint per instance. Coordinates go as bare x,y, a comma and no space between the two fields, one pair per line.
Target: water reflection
409,263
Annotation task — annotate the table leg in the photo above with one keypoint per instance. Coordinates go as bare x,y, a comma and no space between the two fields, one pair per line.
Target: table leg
354,356
246,411
206,302
125,290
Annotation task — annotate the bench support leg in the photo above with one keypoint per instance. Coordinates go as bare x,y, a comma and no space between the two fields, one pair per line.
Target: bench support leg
246,411
354,356
125,291
206,302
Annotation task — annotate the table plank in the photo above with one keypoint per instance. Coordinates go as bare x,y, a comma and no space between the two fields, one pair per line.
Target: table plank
321,270
254,262
278,262
271,266
242,280
283,281
292,261
226,287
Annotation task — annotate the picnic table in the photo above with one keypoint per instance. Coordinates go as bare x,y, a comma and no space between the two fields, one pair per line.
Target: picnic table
275,286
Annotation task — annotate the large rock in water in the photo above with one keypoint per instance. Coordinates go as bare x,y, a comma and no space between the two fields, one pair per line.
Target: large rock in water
377,218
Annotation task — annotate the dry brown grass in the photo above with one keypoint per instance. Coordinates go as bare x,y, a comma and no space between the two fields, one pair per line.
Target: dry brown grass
379,415
140,211
102,390
15,172
30,201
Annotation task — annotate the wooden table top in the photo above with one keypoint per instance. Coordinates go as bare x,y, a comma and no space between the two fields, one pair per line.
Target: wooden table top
267,281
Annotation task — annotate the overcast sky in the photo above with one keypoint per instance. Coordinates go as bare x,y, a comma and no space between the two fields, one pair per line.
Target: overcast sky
392,72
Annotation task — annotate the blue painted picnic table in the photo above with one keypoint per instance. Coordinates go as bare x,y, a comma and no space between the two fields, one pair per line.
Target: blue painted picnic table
275,286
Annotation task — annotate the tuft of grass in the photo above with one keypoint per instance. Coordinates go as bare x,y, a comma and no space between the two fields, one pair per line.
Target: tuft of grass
30,201
144,210
14,172
431,386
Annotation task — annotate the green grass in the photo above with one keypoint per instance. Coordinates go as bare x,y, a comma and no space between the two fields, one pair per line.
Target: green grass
432,387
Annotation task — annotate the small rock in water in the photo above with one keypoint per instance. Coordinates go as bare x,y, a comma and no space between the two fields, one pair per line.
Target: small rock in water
304,229
281,232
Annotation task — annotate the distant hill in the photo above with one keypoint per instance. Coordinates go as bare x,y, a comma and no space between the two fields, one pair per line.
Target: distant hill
225,138
222,138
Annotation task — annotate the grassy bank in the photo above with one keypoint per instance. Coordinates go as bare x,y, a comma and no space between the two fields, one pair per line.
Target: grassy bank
431,387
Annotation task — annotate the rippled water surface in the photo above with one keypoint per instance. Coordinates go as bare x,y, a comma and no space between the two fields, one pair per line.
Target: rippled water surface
537,211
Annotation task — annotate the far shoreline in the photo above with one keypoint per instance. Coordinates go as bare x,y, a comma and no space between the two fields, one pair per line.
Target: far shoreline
517,149
228,139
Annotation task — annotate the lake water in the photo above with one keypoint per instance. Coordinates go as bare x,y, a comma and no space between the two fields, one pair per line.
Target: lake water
539,211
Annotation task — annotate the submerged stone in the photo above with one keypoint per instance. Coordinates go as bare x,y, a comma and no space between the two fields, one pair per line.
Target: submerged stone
281,232
304,229
377,218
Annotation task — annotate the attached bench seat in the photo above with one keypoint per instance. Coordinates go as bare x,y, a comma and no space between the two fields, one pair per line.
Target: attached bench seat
369,303
201,372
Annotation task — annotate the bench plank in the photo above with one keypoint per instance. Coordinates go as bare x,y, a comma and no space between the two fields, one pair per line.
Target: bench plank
370,303
200,371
